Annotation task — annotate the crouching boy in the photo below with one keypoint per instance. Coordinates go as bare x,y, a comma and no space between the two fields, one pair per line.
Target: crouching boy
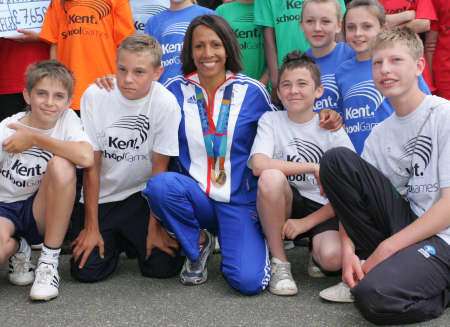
394,202
39,151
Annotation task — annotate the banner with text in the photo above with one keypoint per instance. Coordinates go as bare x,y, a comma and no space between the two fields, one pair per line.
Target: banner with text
25,14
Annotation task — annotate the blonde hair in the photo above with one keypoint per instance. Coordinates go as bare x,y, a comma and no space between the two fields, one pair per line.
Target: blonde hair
400,35
334,2
138,43
52,69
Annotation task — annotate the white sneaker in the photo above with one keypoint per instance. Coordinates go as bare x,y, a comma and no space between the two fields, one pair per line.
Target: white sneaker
21,270
46,283
338,293
314,270
281,281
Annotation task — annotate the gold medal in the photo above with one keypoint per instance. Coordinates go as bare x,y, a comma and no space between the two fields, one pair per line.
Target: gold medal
222,178
218,180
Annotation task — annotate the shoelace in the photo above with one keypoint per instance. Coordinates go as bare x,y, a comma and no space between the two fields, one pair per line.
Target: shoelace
282,271
44,274
197,265
20,263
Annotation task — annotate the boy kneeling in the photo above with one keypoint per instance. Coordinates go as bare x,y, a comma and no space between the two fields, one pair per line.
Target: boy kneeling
394,203
39,151
133,128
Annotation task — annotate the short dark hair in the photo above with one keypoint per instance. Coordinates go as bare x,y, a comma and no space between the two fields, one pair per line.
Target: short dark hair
296,59
224,32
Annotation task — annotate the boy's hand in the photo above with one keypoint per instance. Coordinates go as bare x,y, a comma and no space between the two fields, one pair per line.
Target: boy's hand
381,253
157,237
20,141
294,227
105,82
330,120
352,271
83,245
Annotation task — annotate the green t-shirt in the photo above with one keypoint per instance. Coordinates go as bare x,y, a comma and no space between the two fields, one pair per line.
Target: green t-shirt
284,17
250,36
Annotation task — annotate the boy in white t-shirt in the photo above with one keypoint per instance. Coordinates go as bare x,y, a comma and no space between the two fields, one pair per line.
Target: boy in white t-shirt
394,202
285,155
39,150
133,128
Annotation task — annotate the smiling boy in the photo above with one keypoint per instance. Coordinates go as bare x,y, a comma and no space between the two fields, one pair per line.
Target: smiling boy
39,150
394,202
134,132
285,155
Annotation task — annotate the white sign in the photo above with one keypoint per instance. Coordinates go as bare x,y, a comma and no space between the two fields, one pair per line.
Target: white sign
25,14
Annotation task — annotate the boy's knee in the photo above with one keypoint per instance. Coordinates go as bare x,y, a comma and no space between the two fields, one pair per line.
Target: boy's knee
61,171
94,270
335,155
329,258
374,300
271,181
331,159
161,265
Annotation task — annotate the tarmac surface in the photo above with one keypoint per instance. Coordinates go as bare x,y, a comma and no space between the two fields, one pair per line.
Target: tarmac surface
128,299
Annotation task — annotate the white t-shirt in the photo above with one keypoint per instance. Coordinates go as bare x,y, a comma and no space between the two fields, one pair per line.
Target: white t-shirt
416,161
127,132
21,173
280,138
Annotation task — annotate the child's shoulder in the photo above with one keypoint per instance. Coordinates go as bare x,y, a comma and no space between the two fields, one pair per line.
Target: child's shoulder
161,95
274,119
93,91
13,118
441,106
346,66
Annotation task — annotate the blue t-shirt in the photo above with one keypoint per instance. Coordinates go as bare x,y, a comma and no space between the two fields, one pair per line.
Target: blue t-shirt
361,105
328,65
169,28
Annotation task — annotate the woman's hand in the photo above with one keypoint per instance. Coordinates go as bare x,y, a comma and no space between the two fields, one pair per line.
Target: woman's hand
330,120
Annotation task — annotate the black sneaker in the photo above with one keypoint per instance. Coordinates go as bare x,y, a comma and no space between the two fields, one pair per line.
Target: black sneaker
196,273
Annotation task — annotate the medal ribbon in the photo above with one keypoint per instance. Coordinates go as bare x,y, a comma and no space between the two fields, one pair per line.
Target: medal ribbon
215,137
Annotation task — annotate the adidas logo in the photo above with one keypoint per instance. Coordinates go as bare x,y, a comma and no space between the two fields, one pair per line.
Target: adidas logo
192,100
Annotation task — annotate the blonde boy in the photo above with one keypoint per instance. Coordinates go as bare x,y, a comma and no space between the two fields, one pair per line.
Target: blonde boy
133,130
394,203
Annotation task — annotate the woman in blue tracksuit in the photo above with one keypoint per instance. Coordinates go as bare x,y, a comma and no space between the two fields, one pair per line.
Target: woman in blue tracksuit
214,190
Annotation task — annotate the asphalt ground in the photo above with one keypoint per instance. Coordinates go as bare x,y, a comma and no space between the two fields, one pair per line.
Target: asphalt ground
128,299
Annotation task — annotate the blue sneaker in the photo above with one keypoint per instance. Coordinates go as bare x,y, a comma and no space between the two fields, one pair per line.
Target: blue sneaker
196,273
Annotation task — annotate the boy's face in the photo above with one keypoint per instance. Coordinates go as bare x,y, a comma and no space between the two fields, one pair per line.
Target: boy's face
47,99
320,24
297,90
395,71
135,74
